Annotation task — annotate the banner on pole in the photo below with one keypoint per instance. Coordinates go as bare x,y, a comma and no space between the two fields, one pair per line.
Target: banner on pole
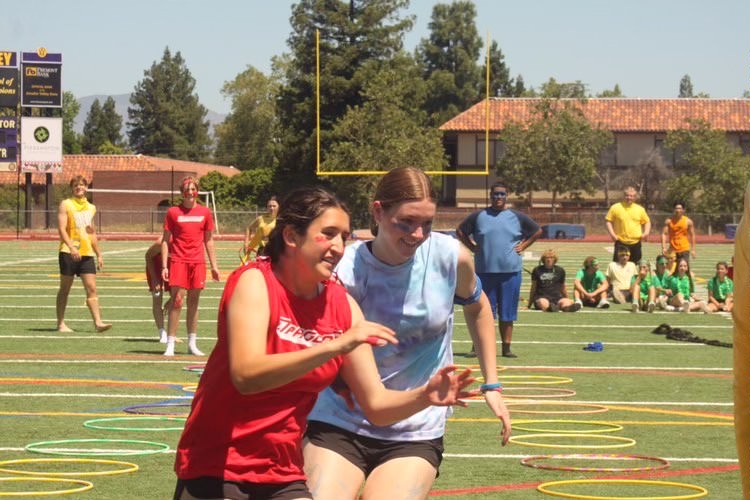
41,79
8,79
41,145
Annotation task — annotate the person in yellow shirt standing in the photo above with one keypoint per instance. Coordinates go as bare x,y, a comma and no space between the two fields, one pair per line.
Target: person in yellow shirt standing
678,235
628,225
78,246
256,234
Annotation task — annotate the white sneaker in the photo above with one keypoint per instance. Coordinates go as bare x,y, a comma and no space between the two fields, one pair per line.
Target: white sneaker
685,307
162,336
651,306
170,349
670,308
193,346
603,304
634,307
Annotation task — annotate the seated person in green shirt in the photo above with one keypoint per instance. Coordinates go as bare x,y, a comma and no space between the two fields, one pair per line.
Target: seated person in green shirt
591,285
642,288
721,290
683,291
660,280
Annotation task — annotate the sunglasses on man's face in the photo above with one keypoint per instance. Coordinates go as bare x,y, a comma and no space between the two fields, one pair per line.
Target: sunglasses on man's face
499,194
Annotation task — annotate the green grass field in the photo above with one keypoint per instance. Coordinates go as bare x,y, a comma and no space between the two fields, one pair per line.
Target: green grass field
674,399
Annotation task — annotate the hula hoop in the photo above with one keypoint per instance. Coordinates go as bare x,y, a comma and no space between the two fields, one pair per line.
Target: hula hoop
607,426
39,447
544,488
130,467
592,408
85,486
622,442
144,409
530,379
552,392
476,367
190,388
660,462
93,424
195,368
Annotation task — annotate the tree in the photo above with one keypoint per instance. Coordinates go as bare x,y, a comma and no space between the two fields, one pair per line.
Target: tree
166,118
710,172
101,130
501,84
387,130
70,109
249,135
557,150
556,90
686,87
245,190
449,57
615,92
351,33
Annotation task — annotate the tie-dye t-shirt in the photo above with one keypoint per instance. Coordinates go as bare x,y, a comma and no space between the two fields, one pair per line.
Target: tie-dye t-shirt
415,299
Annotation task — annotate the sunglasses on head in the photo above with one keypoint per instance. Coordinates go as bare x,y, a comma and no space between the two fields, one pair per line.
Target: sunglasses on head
499,194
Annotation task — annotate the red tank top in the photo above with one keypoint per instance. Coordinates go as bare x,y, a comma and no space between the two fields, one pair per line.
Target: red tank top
258,438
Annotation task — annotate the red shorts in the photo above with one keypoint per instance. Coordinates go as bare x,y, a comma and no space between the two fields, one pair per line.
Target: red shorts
154,281
188,275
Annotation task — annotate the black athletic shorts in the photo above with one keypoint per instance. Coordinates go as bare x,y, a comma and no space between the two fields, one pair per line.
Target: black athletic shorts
69,267
367,453
215,488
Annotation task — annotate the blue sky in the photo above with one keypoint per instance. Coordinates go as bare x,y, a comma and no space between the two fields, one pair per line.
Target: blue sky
645,46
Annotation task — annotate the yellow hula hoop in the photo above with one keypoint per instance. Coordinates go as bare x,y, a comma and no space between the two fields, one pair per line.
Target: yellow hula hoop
545,488
592,408
85,486
129,467
622,442
606,426
476,367
190,388
552,392
531,379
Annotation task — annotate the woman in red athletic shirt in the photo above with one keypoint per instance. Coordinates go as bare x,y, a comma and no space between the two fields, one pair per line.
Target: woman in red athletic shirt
285,331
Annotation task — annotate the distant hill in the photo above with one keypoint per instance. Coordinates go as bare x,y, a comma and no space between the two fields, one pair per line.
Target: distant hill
122,101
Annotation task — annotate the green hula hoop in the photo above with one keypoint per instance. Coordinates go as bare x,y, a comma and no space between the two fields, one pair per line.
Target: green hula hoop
129,467
39,447
606,426
85,486
545,488
94,424
621,442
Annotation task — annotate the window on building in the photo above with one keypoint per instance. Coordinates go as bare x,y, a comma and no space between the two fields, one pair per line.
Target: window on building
497,150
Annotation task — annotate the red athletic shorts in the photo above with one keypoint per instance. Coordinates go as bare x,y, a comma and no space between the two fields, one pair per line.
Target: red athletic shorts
188,275
153,281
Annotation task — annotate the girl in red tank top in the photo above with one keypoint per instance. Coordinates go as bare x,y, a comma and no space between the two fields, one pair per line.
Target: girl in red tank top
285,331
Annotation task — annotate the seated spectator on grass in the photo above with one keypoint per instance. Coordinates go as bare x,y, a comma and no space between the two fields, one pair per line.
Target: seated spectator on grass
660,279
642,289
548,292
683,291
620,273
591,285
721,290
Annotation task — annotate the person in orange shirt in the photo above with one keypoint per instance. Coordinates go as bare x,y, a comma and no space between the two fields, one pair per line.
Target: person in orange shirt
678,234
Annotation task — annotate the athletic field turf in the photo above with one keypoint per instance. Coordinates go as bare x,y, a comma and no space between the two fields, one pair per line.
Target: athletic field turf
672,399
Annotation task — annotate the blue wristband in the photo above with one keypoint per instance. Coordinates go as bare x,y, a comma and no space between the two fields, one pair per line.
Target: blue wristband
497,386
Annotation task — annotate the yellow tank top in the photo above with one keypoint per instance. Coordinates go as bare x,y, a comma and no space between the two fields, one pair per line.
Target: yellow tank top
264,226
678,238
80,217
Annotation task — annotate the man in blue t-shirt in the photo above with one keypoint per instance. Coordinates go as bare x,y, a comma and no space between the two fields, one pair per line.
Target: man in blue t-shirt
498,235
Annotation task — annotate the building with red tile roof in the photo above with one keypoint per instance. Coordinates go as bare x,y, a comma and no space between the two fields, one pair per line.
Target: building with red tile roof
639,127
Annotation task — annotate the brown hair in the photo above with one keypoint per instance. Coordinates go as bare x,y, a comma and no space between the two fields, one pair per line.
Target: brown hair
298,210
550,252
77,179
186,181
399,185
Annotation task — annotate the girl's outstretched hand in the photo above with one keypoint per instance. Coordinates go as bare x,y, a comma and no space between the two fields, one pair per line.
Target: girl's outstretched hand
367,332
446,388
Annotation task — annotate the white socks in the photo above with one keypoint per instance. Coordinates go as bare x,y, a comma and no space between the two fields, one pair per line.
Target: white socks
192,347
162,336
170,347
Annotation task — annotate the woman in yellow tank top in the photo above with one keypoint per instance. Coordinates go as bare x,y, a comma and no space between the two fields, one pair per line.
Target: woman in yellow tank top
678,235
257,233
